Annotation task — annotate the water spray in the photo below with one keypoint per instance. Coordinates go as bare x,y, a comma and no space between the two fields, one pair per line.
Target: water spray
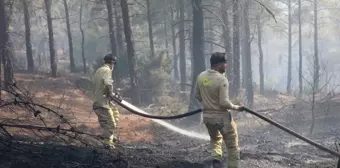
191,134
140,112
158,119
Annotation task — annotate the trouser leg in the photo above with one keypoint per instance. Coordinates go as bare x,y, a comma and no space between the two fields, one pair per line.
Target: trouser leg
215,141
230,137
108,123
115,113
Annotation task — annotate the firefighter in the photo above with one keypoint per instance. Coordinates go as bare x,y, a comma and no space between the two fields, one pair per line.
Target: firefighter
106,112
212,91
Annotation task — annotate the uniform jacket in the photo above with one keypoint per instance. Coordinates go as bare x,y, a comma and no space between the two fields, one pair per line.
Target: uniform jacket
102,84
212,91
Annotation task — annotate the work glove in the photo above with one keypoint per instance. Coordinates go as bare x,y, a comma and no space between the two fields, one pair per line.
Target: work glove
239,108
111,95
114,96
118,96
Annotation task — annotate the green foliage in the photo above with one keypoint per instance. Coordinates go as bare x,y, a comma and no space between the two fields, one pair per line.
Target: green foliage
154,74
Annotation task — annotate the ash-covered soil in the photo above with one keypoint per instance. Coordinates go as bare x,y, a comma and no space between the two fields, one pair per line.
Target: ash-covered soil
268,151
267,147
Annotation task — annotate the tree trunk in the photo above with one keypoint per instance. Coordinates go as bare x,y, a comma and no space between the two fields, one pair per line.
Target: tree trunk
39,59
236,49
259,43
300,52
69,35
166,37
29,53
210,37
53,63
3,32
316,76
182,60
316,49
197,52
227,44
111,32
130,51
174,45
41,51
311,128
6,47
289,76
152,48
243,69
82,37
7,62
247,56
120,43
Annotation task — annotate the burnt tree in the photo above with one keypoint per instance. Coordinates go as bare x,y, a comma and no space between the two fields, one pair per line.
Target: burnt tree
119,37
247,56
69,36
165,23
181,34
5,46
130,51
316,67
236,49
82,36
53,63
300,51
29,53
111,31
120,49
289,76
148,10
316,78
227,43
259,44
197,52
174,44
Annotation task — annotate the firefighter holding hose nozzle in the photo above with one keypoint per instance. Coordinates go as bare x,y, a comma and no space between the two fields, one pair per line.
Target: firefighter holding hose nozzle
212,91
106,112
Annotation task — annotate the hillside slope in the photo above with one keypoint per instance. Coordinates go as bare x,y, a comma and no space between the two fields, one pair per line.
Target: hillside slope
142,143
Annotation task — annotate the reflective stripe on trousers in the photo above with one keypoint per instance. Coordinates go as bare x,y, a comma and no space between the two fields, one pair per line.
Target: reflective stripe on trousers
224,128
108,119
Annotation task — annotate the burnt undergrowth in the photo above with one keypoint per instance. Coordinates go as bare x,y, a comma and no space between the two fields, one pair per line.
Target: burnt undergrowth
39,135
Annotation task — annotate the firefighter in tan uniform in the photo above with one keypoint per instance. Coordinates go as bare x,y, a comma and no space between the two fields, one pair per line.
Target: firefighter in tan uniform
107,112
212,91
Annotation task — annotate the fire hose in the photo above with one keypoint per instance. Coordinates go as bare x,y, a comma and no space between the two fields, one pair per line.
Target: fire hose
131,108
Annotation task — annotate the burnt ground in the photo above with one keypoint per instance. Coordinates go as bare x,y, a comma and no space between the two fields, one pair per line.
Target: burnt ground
280,151
144,144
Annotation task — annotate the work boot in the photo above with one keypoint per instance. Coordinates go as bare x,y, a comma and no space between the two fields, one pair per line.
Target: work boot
217,164
108,144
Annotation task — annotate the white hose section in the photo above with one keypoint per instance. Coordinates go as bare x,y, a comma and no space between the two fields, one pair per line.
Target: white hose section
170,126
